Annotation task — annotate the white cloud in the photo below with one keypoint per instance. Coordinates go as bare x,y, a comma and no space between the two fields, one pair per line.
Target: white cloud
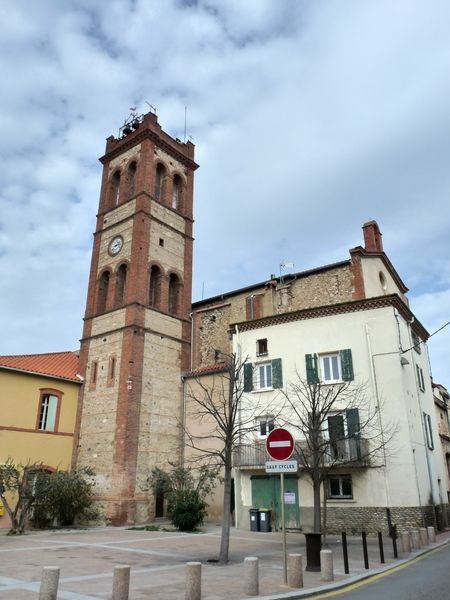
309,119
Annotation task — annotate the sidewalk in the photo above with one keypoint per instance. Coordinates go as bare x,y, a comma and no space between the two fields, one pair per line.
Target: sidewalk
157,559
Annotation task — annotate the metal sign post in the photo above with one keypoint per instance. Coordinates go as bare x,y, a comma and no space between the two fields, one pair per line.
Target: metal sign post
280,446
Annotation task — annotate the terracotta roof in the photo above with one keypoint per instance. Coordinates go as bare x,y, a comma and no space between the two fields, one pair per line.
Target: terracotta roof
217,367
62,365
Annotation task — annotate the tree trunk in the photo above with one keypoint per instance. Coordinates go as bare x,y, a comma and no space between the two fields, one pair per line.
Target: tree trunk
316,490
324,524
226,519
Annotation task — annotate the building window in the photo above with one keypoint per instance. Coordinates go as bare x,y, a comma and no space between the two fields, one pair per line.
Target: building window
332,367
121,280
416,341
420,378
159,182
264,376
340,486
176,192
154,296
428,431
260,376
112,367
114,190
174,294
102,295
265,425
48,409
94,368
131,179
343,432
261,347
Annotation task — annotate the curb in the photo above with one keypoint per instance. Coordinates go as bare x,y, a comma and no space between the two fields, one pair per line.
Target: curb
340,585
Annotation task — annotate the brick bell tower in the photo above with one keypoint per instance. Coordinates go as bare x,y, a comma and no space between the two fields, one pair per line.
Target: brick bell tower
136,336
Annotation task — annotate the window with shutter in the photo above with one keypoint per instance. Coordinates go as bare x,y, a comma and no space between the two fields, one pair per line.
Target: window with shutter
248,377
347,365
312,375
277,373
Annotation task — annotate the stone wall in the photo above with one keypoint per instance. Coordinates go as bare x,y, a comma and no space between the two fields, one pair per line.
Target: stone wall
355,519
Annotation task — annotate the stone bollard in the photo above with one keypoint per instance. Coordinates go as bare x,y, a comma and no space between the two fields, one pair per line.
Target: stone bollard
193,581
49,583
121,582
295,571
431,535
251,577
415,539
423,536
326,565
406,541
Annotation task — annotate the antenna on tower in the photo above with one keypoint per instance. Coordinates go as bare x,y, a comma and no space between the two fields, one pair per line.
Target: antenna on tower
152,108
185,119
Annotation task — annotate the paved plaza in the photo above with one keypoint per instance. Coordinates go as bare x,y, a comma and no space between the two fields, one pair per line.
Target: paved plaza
157,560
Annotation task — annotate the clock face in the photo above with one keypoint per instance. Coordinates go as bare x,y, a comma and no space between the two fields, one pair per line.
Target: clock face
116,245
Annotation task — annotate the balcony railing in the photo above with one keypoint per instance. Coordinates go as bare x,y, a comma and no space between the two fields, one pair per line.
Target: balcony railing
351,452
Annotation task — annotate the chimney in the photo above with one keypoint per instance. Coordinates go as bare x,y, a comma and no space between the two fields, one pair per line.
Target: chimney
372,237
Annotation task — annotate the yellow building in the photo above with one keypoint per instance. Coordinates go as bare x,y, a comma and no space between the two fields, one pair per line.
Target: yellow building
38,403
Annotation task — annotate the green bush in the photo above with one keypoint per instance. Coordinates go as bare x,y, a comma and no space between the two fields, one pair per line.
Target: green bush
186,509
62,497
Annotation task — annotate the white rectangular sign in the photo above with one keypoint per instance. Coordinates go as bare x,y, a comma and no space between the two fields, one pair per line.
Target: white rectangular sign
281,466
289,497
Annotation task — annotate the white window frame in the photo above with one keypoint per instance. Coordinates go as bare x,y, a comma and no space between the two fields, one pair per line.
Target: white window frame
420,378
341,496
428,431
263,373
48,412
323,358
268,421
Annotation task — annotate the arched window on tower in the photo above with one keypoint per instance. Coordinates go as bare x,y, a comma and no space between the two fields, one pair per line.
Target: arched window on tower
174,294
176,192
159,182
103,285
154,296
121,281
131,179
114,190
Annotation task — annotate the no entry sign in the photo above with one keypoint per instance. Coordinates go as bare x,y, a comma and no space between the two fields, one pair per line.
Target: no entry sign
279,444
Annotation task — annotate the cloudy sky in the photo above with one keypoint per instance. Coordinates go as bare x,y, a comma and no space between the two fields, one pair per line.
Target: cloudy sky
309,118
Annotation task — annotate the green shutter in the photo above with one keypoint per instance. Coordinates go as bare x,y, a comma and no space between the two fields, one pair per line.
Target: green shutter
347,365
277,373
311,368
248,377
353,430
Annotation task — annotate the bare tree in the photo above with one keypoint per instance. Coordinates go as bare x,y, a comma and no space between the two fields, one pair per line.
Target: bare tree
215,425
338,427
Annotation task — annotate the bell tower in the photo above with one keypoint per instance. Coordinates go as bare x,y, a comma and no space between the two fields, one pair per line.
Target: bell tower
136,335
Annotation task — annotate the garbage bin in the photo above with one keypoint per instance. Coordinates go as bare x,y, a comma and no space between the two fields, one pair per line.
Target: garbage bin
313,547
254,519
264,520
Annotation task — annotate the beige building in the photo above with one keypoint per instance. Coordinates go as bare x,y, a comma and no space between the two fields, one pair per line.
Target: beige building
348,320
38,403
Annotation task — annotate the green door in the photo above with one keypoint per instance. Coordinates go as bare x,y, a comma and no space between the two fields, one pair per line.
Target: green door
266,493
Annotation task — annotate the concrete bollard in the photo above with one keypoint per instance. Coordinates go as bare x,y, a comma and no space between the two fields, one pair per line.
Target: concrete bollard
406,541
415,539
423,536
121,582
193,581
326,565
49,583
431,535
295,571
251,576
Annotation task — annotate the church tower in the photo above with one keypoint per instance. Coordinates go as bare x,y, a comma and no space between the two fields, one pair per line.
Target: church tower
136,335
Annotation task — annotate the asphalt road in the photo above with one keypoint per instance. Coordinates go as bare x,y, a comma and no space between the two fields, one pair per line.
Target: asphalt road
426,578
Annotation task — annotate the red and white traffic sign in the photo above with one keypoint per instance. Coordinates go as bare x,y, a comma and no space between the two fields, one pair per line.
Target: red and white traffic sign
280,444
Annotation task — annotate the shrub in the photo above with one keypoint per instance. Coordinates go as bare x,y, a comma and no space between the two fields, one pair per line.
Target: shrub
186,509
